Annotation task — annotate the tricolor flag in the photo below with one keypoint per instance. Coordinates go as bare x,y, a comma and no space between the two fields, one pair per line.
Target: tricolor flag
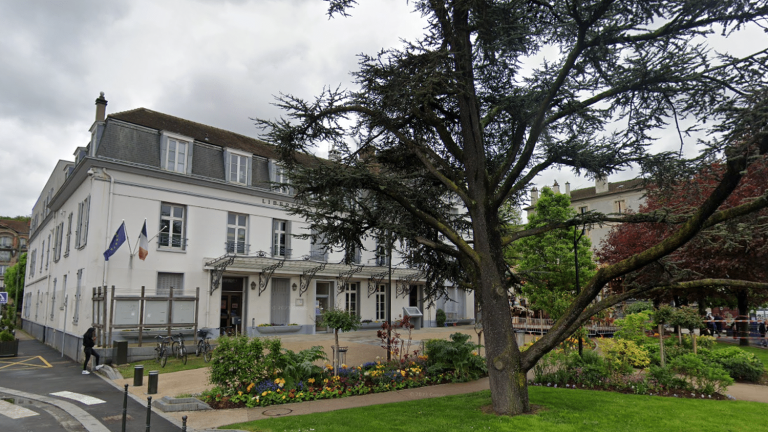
116,242
143,243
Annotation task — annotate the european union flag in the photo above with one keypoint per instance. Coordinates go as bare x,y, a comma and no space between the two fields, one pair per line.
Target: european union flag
116,242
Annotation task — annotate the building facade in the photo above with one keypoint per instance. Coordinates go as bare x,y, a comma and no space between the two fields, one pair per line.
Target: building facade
219,236
14,235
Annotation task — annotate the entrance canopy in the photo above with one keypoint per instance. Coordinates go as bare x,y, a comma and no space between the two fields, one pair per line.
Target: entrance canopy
307,270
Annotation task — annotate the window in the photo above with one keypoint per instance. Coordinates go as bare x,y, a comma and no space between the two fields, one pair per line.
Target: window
583,209
42,256
382,258
236,233
238,168
83,209
171,226
27,301
3,269
281,177
620,206
63,291
350,297
317,250
58,238
53,298
69,233
353,255
6,241
281,240
48,252
76,315
175,155
5,256
166,281
22,243
32,262
381,302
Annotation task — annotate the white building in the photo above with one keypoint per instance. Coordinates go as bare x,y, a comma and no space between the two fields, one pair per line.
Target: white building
223,237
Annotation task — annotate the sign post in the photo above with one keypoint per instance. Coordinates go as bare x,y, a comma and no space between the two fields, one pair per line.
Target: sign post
3,297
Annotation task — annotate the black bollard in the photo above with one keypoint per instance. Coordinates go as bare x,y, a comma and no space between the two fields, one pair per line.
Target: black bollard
184,424
149,410
125,406
152,382
138,375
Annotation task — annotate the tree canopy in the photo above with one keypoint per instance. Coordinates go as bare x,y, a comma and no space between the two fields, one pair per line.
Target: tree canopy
443,132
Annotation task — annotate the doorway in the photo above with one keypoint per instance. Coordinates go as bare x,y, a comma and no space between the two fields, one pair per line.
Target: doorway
323,301
281,302
232,309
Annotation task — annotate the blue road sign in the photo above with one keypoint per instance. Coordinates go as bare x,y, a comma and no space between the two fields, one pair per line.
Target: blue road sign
3,297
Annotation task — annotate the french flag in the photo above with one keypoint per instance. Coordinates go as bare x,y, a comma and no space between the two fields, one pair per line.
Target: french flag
143,243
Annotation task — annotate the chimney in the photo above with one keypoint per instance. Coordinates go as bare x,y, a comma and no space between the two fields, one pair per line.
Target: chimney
101,108
534,196
601,184
556,188
568,188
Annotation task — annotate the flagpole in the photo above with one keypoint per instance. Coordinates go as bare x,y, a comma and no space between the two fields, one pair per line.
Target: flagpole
128,239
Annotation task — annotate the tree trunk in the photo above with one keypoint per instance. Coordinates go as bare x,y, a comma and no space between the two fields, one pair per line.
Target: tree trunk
742,299
661,345
508,382
336,353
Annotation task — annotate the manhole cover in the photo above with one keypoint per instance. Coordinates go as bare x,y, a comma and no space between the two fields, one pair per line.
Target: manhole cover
277,412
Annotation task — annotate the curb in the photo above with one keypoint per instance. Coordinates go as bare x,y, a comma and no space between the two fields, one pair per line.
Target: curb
88,421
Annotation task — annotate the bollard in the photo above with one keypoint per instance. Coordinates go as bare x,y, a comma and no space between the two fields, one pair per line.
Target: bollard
152,382
138,375
149,410
184,424
125,406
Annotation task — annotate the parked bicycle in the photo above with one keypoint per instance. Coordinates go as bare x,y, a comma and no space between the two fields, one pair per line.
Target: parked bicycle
203,346
228,331
162,349
178,348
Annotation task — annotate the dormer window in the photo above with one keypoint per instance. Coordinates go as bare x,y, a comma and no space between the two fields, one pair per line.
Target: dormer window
238,166
176,153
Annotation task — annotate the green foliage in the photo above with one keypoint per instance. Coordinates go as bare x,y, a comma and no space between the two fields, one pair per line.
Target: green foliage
297,367
238,361
6,336
702,377
340,320
666,377
663,315
440,317
457,354
638,306
633,327
7,323
546,262
14,273
686,317
741,365
622,355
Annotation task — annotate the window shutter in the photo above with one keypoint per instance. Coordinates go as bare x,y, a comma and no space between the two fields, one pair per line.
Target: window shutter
275,223
77,228
164,152
189,157
227,170
288,251
87,208
272,170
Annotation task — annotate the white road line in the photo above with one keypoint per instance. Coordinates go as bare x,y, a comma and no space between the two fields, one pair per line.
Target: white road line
14,411
84,399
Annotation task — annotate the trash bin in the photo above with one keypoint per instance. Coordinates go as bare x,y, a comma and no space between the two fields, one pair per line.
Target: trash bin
416,316
120,352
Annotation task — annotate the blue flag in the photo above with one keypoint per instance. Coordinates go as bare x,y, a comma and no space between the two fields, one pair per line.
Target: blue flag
116,242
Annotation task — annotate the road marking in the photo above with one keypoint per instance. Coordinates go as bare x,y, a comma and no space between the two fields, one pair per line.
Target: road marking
85,399
36,362
14,411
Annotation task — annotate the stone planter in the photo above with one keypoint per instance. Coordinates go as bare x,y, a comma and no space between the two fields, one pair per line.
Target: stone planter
9,348
279,329
370,326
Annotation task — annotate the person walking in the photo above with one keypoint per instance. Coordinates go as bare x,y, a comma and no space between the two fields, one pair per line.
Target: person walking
761,329
88,344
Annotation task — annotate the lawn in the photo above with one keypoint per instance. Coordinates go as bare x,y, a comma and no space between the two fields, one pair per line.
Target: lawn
563,410
173,365
760,353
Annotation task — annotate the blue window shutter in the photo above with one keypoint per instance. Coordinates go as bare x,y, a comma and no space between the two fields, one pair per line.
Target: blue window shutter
189,157
163,152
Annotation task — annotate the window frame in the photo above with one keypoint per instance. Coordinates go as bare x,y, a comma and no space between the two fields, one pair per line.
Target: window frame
352,297
279,232
83,216
242,166
236,246
169,234
9,241
69,234
380,300
180,165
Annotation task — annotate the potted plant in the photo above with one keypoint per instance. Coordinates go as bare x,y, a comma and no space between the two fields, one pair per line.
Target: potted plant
440,318
9,345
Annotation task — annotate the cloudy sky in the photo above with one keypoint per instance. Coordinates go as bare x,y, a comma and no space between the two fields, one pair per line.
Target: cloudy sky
211,61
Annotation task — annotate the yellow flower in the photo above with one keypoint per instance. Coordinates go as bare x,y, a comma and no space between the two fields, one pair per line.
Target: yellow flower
240,393
344,366
264,393
311,380
325,381
283,397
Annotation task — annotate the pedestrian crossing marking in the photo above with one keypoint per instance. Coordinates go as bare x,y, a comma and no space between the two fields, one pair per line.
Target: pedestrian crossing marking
32,362
84,399
14,411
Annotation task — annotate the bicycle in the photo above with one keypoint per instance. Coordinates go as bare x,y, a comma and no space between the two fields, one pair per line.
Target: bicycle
203,346
228,331
178,349
161,351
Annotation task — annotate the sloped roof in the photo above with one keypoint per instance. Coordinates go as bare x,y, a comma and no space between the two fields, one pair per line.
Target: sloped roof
198,131
21,227
617,187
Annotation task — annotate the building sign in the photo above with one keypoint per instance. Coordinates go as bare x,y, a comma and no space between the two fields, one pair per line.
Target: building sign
3,297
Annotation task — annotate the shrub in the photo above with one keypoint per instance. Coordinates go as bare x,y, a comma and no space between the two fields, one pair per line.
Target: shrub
666,378
440,317
622,355
297,367
633,327
638,306
6,336
702,377
739,364
238,361
457,354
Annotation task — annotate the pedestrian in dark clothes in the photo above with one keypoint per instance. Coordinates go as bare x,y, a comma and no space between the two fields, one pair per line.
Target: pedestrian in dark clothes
88,343
761,329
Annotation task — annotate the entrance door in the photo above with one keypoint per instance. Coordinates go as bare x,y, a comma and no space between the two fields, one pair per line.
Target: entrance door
281,301
323,295
232,309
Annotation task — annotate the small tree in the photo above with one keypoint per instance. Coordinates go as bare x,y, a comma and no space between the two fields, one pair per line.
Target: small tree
14,277
339,319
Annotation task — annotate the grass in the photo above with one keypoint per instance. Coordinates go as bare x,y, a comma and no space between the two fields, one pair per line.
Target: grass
563,410
760,353
173,365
